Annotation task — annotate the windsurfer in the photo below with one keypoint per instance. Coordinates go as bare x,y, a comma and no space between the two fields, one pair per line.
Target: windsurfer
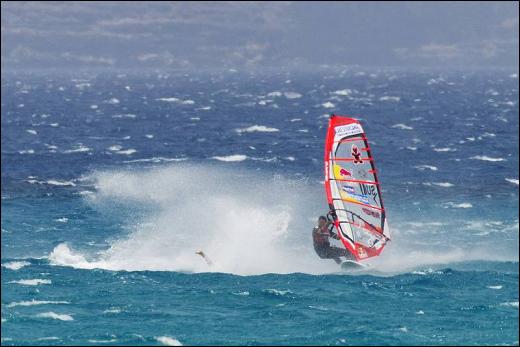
320,237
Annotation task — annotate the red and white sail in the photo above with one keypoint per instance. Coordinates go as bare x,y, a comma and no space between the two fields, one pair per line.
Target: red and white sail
353,189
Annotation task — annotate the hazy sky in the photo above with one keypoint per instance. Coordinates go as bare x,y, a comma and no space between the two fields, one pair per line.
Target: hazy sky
258,34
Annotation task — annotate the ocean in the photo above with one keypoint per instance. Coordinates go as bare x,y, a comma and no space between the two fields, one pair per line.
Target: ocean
112,180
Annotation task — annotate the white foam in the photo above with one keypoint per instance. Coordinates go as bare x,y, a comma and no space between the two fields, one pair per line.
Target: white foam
62,317
402,126
510,304
168,341
292,95
205,108
79,149
278,292
37,302
420,312
129,151
390,98
455,205
424,167
328,104
444,149
495,287
15,265
150,136
296,119
439,184
411,148
257,128
486,158
343,92
512,180
32,131
60,183
244,293
155,160
26,151
274,94
125,115
159,242
31,282
102,341
177,100
113,101
62,220
229,158
172,99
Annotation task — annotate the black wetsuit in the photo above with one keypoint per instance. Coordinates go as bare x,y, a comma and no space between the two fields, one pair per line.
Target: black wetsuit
320,237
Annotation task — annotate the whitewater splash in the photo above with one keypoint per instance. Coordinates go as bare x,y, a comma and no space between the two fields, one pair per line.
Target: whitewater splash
246,222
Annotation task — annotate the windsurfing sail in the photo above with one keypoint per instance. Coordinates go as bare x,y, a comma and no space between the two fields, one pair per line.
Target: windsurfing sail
353,189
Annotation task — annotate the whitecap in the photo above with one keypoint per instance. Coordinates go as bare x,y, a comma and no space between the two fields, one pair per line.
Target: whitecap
486,158
296,119
155,160
274,94
79,149
113,101
60,183
62,220
32,131
129,151
439,184
510,304
402,126
31,282
257,128
63,317
292,95
37,302
390,98
230,158
444,149
328,104
15,265
205,108
244,293
454,205
26,151
124,115
168,341
495,287
102,341
343,92
172,99
512,180
424,167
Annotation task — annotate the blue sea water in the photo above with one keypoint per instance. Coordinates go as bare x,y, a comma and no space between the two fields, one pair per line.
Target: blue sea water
111,182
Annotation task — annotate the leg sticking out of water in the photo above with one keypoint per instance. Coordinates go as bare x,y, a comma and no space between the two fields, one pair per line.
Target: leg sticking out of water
205,257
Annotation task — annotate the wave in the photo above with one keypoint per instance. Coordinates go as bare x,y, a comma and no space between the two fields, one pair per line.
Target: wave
257,128
486,158
37,302
31,282
233,157
53,315
402,126
15,265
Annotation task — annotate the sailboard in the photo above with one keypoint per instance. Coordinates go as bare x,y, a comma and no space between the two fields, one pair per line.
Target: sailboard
353,189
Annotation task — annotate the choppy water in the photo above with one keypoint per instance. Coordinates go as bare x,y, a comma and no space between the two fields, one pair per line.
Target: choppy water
110,182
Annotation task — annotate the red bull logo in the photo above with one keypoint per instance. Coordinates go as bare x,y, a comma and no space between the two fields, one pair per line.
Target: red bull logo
345,173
